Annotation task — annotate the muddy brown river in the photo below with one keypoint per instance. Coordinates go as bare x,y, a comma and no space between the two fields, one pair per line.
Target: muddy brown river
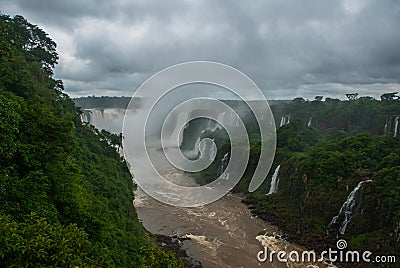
222,234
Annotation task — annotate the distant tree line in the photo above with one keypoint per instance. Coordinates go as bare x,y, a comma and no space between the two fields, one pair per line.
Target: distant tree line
103,102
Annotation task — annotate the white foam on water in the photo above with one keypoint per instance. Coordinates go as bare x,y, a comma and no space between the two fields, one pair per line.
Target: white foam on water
202,240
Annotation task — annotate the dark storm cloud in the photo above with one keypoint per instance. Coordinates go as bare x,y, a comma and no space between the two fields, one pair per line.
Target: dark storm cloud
289,48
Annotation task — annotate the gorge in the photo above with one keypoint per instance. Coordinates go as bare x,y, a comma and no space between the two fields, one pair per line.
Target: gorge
287,198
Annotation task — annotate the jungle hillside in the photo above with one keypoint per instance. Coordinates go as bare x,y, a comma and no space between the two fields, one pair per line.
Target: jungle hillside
65,192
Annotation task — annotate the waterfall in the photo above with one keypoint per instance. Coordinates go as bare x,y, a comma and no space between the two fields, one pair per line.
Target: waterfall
213,125
210,124
237,122
202,148
224,163
193,153
85,116
221,118
396,126
282,121
310,121
107,119
212,152
226,177
180,121
285,120
386,126
347,208
274,181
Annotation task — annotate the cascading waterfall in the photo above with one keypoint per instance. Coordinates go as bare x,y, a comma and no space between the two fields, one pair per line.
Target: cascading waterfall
206,125
181,120
202,148
213,125
274,181
107,119
210,124
230,118
221,117
196,146
285,120
396,126
386,126
96,118
212,152
347,208
85,116
224,163
310,121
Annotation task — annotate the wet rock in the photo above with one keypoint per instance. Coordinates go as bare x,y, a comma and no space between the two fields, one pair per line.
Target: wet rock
173,244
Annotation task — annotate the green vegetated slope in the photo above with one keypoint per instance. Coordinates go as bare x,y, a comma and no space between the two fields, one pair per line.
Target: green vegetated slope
321,164
317,173
65,193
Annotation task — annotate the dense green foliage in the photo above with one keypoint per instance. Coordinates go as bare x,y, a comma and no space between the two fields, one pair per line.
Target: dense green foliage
65,192
320,167
35,241
314,183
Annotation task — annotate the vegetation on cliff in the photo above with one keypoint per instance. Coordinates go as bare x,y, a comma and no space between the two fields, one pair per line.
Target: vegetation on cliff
65,193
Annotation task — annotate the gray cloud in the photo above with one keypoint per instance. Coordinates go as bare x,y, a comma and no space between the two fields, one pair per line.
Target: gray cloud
289,48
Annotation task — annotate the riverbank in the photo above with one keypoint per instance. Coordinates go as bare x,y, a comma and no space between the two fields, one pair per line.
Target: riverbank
289,227
174,245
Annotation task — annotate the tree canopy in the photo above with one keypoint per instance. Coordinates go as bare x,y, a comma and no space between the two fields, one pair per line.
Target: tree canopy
65,192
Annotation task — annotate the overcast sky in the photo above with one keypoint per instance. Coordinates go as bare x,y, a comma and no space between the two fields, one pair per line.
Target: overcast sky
289,48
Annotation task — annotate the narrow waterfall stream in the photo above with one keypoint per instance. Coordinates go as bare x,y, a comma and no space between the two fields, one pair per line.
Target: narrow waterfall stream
348,207
274,181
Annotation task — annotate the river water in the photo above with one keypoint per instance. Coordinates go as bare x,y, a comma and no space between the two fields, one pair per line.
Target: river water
222,234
